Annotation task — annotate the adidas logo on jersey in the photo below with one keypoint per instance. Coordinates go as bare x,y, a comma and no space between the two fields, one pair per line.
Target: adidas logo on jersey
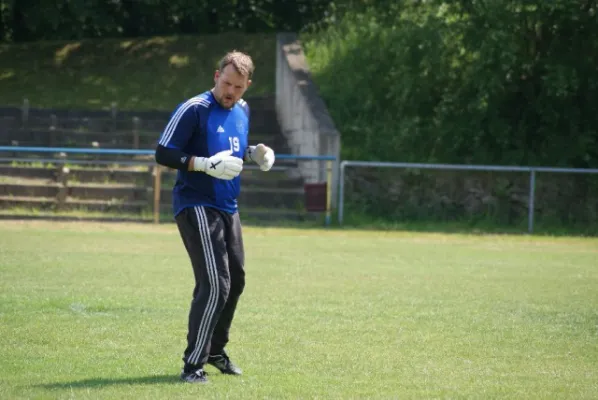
220,129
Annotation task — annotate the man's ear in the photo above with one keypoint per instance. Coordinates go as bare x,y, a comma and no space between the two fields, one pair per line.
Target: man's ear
248,83
216,75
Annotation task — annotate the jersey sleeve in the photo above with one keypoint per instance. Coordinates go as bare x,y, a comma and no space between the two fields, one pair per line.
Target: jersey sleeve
180,127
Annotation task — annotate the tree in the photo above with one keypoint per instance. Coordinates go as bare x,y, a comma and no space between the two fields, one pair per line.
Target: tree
505,81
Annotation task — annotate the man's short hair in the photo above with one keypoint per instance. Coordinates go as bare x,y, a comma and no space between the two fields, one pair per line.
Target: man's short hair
242,62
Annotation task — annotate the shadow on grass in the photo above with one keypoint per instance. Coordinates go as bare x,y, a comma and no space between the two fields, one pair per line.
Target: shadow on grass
99,382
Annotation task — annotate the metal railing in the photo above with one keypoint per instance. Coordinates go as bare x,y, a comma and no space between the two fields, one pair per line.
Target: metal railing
62,158
531,170
330,162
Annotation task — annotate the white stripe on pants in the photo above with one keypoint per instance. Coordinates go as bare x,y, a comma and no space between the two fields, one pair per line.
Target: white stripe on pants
213,281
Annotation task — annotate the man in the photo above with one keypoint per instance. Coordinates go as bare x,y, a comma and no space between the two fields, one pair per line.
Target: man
206,140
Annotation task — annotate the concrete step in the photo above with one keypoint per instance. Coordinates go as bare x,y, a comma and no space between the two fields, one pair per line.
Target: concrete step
47,208
75,138
249,197
142,176
40,203
125,139
95,119
271,198
66,216
10,171
263,118
10,134
258,214
49,190
249,216
49,203
265,102
82,191
132,175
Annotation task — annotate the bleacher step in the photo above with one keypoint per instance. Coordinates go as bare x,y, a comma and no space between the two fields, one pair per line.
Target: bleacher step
98,183
50,203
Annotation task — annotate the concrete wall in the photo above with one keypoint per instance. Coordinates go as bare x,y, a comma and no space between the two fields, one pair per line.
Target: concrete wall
302,114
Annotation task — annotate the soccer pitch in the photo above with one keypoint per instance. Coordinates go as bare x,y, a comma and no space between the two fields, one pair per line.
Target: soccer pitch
99,311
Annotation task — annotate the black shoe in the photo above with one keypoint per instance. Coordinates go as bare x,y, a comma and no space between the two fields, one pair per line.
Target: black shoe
224,364
197,376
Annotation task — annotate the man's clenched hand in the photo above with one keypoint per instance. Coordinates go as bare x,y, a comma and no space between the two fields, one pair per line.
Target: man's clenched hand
221,165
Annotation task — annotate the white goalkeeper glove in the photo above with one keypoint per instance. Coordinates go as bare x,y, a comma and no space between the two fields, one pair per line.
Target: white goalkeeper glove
262,155
221,165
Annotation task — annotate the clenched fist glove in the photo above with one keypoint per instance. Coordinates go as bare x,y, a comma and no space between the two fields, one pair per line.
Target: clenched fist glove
262,155
221,165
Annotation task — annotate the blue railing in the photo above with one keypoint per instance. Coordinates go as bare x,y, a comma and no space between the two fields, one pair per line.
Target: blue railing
150,152
134,152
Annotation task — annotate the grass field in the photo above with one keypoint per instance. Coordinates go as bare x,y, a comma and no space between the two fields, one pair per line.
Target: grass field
138,74
99,311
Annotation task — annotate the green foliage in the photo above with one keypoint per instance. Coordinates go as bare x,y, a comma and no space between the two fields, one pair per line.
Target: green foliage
486,82
27,20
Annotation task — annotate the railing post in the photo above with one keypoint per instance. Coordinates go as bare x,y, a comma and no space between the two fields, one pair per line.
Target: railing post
136,132
341,192
53,125
531,200
62,179
157,192
113,114
328,190
25,113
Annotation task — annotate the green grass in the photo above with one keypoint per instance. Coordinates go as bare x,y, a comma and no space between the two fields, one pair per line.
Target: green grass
99,311
137,74
481,225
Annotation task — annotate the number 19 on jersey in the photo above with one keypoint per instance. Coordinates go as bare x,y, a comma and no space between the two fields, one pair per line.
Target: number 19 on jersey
234,143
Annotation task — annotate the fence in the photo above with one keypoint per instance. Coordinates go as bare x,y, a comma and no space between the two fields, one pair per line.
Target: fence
531,170
315,196
284,184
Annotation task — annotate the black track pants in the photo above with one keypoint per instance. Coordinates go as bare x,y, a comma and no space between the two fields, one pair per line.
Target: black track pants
214,242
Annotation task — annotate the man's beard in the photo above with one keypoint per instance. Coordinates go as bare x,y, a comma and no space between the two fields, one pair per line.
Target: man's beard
226,101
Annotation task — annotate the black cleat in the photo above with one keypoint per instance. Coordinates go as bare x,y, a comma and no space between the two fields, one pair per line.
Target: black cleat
197,376
224,364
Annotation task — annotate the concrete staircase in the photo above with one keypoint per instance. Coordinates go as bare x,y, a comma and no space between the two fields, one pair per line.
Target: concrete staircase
38,182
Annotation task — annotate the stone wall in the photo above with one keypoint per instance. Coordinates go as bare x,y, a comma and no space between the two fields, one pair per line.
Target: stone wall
302,114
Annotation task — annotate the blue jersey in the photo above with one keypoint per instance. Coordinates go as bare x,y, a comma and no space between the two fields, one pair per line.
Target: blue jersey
201,127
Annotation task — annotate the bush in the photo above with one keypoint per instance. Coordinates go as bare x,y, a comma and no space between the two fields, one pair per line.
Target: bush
503,82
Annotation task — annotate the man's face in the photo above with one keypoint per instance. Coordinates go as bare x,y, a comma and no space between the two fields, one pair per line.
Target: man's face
229,86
